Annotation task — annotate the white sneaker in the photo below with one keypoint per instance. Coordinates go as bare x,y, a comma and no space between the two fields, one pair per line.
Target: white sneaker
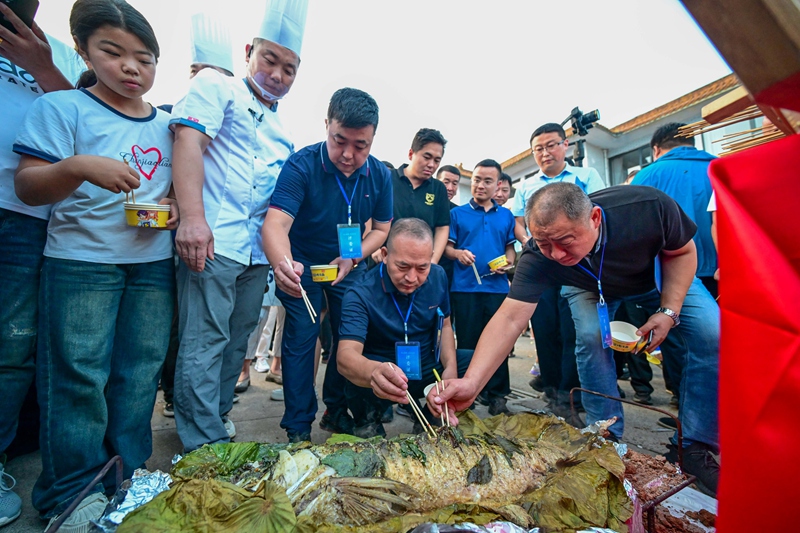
80,521
276,395
261,365
10,502
230,428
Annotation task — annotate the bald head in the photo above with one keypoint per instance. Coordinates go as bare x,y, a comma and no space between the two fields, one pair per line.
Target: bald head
413,228
557,199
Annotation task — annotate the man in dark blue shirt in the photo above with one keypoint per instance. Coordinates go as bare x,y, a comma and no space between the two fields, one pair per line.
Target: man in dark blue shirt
395,315
481,231
325,194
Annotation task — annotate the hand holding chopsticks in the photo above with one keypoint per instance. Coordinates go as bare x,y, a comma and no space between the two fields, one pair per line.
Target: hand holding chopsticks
446,410
417,411
133,193
309,307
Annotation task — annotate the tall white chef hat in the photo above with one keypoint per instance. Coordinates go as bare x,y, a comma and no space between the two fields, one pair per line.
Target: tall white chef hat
211,42
284,23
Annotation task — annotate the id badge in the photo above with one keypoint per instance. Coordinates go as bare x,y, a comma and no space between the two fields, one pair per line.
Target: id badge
605,324
408,359
439,326
349,241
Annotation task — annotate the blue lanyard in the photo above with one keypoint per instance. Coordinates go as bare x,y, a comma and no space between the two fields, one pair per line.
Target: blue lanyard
602,258
348,200
408,313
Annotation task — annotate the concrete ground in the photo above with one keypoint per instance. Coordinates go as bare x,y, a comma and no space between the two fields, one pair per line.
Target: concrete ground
257,418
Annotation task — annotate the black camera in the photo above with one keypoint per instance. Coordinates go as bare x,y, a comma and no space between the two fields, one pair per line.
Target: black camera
582,122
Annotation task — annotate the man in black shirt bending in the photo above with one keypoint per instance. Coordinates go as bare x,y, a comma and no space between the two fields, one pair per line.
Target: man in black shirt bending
604,250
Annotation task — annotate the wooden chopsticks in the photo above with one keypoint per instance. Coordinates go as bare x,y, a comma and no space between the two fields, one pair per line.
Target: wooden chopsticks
446,410
309,307
417,411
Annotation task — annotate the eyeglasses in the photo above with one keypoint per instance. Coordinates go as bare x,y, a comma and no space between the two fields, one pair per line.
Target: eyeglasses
549,147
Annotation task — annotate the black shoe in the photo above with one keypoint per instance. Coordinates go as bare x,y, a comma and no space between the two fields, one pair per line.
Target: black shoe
621,392
387,415
699,462
483,398
536,384
643,399
563,411
674,402
512,354
338,422
497,406
298,437
369,430
169,410
668,422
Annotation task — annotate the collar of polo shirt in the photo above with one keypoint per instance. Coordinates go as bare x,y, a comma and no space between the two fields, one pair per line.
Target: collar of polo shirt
476,206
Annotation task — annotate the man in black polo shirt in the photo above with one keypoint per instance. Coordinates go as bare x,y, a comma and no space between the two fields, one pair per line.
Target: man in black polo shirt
394,316
603,249
325,194
417,195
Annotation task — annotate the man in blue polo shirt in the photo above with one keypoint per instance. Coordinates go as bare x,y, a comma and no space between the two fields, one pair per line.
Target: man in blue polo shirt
395,316
325,194
553,328
481,231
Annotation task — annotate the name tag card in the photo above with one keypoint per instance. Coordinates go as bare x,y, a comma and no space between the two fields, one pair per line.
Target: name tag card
605,324
408,359
349,241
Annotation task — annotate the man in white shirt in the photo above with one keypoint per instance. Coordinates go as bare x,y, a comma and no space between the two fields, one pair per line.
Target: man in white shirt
230,146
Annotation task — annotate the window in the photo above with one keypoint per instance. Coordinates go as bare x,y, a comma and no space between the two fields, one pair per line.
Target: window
623,164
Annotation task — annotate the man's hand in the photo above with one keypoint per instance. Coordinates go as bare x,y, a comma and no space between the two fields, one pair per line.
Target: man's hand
389,382
660,324
174,213
459,395
465,257
503,269
195,242
377,256
288,279
345,266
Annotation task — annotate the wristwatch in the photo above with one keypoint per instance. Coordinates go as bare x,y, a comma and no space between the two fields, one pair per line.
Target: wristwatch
676,318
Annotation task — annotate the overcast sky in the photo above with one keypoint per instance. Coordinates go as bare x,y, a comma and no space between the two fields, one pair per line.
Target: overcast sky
484,73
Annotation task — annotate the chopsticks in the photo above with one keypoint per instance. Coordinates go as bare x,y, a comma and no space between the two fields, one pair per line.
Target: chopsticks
309,307
477,276
446,410
133,193
417,411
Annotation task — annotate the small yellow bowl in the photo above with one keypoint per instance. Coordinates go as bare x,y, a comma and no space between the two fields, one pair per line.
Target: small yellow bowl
498,262
624,337
321,273
147,215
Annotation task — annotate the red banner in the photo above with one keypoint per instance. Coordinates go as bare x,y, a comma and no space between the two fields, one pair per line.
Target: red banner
758,200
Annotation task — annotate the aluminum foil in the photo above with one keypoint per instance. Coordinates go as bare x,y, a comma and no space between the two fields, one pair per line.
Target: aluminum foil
132,494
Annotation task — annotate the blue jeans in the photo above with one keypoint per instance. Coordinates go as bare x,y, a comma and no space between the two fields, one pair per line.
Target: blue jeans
695,342
104,332
299,341
22,240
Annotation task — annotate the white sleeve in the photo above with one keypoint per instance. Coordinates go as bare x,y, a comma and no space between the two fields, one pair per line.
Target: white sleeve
49,129
203,107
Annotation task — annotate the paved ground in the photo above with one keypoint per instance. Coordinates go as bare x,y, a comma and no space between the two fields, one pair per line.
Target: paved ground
257,418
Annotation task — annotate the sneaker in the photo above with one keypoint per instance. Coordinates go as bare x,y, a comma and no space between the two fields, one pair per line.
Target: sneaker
261,365
367,431
498,406
643,399
10,502
80,521
387,416
276,395
242,386
235,398
668,422
536,384
483,398
674,402
168,410
230,428
699,462
298,437
338,422
403,410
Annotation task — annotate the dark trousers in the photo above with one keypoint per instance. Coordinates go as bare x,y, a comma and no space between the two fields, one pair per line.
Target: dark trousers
554,334
472,311
299,342
367,408
168,372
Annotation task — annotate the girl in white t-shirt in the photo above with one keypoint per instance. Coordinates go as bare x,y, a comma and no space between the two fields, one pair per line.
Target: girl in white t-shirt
106,294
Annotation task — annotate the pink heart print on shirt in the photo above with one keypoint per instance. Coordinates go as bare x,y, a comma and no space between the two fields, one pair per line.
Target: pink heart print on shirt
143,161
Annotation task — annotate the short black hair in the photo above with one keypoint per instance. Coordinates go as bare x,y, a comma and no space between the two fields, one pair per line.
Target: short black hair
412,227
666,137
448,168
491,163
547,203
427,136
353,108
550,127
504,177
